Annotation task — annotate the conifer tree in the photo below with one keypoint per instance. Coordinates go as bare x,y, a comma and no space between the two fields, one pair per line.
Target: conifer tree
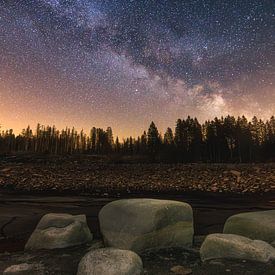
153,140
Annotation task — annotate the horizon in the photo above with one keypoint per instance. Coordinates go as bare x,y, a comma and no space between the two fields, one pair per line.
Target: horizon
114,130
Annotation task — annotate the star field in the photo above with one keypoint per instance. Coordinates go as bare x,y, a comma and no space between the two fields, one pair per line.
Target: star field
87,63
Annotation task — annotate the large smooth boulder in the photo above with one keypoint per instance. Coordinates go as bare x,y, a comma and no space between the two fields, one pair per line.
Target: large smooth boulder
254,225
110,261
142,224
218,246
60,231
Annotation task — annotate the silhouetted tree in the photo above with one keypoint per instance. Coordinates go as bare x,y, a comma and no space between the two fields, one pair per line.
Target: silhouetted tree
219,140
168,137
153,140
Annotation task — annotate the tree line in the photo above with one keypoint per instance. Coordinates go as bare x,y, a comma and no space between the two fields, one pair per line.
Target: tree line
225,139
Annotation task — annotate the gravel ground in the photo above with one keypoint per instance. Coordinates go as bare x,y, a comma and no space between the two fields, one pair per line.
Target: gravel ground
94,175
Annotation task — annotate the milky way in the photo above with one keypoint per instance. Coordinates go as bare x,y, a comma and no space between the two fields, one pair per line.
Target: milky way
124,63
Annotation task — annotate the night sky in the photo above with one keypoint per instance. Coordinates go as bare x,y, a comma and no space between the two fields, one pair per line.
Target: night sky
124,63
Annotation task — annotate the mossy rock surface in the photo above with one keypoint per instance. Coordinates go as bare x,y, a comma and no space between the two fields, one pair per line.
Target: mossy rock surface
143,224
254,225
59,231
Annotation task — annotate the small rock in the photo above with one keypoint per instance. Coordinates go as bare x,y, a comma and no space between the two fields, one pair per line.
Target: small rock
235,173
216,262
24,269
181,270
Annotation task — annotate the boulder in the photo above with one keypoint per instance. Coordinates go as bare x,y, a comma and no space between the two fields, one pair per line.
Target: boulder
143,224
254,225
110,261
230,246
59,231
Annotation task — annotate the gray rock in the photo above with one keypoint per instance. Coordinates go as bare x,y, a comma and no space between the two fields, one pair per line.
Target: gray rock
230,246
110,261
181,270
142,224
254,225
24,269
59,231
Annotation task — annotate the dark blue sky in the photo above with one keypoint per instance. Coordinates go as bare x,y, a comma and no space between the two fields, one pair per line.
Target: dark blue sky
124,63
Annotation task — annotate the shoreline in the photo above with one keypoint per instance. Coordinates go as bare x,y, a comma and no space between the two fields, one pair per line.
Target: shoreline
19,214
31,186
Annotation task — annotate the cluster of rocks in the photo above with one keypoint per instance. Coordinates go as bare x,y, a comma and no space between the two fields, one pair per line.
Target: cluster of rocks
103,177
132,226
